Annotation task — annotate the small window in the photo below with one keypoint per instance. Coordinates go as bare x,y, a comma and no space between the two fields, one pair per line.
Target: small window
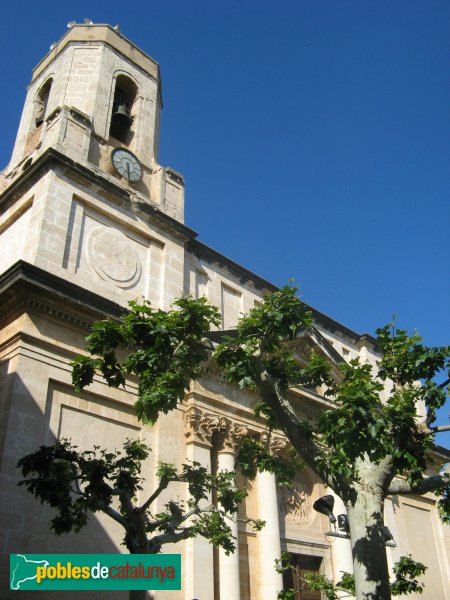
121,118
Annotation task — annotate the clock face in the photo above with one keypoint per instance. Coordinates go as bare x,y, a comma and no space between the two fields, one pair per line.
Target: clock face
127,165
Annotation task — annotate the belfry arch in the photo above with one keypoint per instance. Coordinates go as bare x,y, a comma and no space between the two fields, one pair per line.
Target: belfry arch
41,103
125,92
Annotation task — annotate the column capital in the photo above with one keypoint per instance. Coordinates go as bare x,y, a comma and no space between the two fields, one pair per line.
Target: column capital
276,444
232,436
200,426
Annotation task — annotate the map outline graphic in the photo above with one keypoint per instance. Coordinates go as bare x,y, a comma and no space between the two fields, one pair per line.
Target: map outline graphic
16,586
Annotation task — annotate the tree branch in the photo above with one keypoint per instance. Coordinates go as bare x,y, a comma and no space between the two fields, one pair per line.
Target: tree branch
195,511
444,384
287,418
125,501
172,537
162,486
427,484
108,510
176,522
437,429
385,471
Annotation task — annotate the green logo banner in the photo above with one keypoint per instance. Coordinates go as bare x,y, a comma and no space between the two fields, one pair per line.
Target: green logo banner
95,571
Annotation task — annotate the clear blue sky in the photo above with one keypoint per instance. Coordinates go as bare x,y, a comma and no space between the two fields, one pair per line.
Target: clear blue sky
313,137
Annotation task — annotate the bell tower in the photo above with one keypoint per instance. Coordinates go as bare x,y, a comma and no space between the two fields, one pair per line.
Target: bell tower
84,197
96,91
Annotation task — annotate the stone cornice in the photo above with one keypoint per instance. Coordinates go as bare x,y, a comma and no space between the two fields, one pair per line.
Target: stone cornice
24,288
244,276
92,177
319,318
103,33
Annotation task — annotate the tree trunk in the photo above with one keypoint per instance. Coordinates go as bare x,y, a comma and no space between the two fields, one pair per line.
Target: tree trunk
370,566
138,595
139,549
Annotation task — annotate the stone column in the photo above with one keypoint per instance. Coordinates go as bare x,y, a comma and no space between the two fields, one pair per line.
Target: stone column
269,544
229,436
341,549
199,567
229,565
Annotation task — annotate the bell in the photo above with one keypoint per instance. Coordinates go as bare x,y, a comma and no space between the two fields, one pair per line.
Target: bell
325,506
120,121
122,116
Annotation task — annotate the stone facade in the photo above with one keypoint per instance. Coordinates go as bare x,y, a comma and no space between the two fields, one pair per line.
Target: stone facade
77,243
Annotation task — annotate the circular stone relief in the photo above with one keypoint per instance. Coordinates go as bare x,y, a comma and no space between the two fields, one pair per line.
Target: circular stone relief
113,257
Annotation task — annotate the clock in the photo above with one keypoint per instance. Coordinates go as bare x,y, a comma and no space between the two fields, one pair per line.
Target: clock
127,165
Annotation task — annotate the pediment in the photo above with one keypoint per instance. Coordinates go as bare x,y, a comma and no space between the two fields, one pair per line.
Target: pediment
306,342
312,340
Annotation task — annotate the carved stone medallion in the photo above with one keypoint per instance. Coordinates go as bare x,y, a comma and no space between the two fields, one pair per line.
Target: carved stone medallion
113,257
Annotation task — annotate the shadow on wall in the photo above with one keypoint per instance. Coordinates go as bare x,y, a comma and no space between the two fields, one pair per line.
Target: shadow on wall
24,522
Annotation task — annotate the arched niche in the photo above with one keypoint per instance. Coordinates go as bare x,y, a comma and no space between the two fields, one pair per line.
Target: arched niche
41,103
125,92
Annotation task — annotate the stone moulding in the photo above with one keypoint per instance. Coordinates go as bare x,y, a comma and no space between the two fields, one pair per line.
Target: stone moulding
26,287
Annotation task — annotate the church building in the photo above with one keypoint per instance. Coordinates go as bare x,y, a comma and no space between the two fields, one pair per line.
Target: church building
90,220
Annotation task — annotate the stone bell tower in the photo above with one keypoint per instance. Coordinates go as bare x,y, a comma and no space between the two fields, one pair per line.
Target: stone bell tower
96,91
84,197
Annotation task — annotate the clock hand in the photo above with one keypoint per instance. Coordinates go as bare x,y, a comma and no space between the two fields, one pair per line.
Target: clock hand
128,169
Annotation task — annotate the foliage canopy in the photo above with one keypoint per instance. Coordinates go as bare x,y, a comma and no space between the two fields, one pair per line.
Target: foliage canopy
78,483
369,442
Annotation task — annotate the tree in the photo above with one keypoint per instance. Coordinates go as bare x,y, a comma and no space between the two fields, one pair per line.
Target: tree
78,483
406,572
364,448
165,351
